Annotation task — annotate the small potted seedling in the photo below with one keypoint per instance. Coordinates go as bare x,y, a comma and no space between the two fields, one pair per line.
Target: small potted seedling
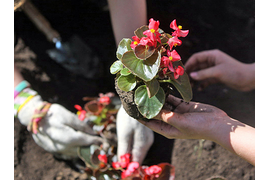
148,67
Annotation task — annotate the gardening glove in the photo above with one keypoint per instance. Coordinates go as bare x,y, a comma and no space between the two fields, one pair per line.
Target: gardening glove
59,131
133,137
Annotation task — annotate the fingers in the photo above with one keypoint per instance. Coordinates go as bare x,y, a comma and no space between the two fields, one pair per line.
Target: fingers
125,130
162,128
64,116
143,140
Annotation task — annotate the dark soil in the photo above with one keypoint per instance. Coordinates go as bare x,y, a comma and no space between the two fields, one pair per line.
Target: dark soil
226,25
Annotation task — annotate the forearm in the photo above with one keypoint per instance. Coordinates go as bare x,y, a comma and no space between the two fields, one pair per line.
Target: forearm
17,77
238,138
126,17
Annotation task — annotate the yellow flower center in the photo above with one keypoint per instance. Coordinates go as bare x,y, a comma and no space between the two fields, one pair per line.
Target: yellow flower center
152,30
135,42
175,44
78,113
179,27
170,58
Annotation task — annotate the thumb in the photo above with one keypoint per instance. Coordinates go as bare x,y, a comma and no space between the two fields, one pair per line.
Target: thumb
203,74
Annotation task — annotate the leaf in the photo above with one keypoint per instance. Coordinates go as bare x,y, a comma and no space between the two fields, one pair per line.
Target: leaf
125,72
127,83
89,155
183,86
116,66
168,171
152,87
139,31
123,47
149,107
144,52
144,69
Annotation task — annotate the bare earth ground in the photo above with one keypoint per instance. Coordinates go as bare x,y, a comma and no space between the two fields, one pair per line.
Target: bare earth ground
226,25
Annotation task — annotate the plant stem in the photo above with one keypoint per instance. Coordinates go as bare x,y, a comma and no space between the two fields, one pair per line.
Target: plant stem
164,81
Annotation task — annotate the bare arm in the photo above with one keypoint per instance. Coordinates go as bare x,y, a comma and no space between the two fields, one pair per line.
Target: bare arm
126,17
202,121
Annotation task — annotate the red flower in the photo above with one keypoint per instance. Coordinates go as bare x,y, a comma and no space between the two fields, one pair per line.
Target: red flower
81,113
116,165
178,32
179,71
130,169
103,158
153,33
172,57
146,41
125,160
105,100
174,41
135,42
153,171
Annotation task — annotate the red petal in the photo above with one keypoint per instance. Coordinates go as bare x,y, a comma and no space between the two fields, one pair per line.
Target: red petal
78,107
173,25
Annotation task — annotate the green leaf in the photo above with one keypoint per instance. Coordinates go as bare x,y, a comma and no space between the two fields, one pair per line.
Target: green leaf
89,155
144,69
149,107
123,47
183,86
125,72
144,52
116,66
152,87
139,31
127,83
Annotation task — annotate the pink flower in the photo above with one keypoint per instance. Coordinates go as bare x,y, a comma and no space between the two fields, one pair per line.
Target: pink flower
179,71
153,33
135,42
153,171
174,41
81,113
172,57
178,32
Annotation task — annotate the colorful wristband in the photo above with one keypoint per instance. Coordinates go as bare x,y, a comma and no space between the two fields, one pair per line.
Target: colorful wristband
21,86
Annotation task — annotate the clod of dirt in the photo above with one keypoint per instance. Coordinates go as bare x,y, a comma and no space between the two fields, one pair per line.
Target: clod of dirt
127,99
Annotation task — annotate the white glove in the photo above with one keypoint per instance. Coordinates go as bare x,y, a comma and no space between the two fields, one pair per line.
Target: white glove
133,137
60,131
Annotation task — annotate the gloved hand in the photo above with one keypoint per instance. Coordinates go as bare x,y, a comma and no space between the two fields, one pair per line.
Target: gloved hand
133,137
60,131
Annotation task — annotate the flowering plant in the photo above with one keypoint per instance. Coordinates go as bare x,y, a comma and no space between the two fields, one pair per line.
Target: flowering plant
147,61
104,165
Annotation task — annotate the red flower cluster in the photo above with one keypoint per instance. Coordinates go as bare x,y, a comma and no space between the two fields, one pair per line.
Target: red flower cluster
153,37
81,113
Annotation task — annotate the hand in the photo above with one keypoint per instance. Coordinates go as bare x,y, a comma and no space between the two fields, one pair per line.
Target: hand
187,121
215,66
202,121
60,131
133,137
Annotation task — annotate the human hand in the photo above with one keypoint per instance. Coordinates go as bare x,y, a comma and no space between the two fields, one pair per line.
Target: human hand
215,66
133,137
202,121
181,120
60,131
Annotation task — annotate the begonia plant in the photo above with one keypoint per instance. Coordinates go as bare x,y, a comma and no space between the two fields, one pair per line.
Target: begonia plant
148,60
